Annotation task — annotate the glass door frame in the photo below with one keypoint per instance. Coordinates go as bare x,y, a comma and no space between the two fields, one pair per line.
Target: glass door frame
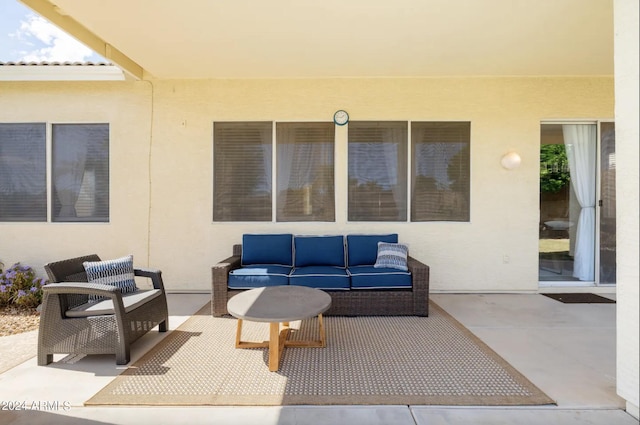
598,182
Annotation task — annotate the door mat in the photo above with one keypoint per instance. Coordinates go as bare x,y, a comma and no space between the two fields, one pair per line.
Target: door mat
580,298
368,360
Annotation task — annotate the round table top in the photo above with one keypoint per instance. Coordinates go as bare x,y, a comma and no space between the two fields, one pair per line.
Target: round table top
285,303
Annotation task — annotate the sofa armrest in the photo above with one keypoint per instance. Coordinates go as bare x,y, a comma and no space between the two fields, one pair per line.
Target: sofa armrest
420,282
219,282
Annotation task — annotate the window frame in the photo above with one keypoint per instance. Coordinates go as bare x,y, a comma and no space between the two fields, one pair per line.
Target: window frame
412,166
49,219
51,182
43,144
279,210
410,170
402,125
251,124
274,171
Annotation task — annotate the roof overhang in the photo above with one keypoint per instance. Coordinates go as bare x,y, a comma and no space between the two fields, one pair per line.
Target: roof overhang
332,39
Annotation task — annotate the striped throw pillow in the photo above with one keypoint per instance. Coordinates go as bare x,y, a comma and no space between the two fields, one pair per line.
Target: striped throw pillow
392,255
117,272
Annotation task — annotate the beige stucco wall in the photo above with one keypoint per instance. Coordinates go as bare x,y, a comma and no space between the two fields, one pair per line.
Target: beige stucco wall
495,251
126,107
628,179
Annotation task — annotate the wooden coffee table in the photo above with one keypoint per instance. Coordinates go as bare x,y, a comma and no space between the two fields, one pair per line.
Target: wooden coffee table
279,305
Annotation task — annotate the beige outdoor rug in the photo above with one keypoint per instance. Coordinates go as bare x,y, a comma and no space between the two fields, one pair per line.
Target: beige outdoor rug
368,360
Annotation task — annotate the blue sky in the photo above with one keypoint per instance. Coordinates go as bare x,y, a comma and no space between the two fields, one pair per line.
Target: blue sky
26,36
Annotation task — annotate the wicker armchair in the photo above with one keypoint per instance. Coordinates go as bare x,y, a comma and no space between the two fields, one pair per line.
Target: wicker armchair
67,327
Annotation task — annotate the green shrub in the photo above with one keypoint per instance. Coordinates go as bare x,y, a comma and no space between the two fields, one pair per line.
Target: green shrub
554,168
20,286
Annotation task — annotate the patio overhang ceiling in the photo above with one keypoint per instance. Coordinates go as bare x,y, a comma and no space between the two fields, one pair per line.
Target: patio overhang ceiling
327,39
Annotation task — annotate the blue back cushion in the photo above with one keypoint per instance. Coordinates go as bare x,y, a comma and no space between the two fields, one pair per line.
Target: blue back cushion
319,251
363,249
267,249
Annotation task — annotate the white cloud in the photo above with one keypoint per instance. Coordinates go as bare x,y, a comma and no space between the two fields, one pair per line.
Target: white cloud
46,42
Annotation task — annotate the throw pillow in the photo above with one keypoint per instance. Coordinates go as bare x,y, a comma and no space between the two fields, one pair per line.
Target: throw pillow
392,255
117,272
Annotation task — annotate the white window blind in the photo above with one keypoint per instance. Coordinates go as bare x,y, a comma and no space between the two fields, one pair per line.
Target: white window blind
377,171
440,176
242,171
80,172
305,177
23,185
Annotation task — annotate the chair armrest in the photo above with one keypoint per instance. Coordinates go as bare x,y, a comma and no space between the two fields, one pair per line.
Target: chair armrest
154,274
81,288
74,288
420,283
219,281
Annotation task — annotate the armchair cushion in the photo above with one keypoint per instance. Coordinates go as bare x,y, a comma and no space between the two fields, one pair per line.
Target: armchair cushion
362,250
319,251
117,272
131,301
392,255
274,249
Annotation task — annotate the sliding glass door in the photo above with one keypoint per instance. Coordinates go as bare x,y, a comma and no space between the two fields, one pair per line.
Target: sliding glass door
576,234
607,234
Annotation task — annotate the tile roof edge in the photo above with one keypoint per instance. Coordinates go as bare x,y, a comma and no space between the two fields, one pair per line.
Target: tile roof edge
54,63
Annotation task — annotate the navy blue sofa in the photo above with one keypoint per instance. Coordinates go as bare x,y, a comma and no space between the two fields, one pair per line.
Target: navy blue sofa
343,266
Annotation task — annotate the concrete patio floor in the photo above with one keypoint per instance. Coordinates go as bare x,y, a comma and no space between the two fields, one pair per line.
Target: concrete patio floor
567,350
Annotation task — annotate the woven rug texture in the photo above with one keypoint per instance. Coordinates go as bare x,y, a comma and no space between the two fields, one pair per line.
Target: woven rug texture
368,360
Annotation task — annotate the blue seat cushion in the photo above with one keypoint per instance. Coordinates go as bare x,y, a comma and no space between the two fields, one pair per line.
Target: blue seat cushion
320,277
369,277
274,249
362,250
319,251
257,276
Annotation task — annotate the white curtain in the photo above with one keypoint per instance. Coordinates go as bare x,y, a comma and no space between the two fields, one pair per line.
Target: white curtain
267,148
580,144
70,157
304,153
394,139
286,151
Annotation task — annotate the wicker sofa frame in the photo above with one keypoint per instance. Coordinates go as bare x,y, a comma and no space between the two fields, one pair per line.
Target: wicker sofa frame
101,334
383,302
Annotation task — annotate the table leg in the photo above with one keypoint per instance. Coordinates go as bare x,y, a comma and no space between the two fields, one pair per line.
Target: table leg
321,326
239,333
278,341
274,346
321,342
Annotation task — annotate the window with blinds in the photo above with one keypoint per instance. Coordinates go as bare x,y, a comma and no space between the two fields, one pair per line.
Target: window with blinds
242,171
440,172
80,172
377,156
23,182
305,171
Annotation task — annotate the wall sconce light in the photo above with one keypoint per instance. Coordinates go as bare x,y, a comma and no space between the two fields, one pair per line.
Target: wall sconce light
511,160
